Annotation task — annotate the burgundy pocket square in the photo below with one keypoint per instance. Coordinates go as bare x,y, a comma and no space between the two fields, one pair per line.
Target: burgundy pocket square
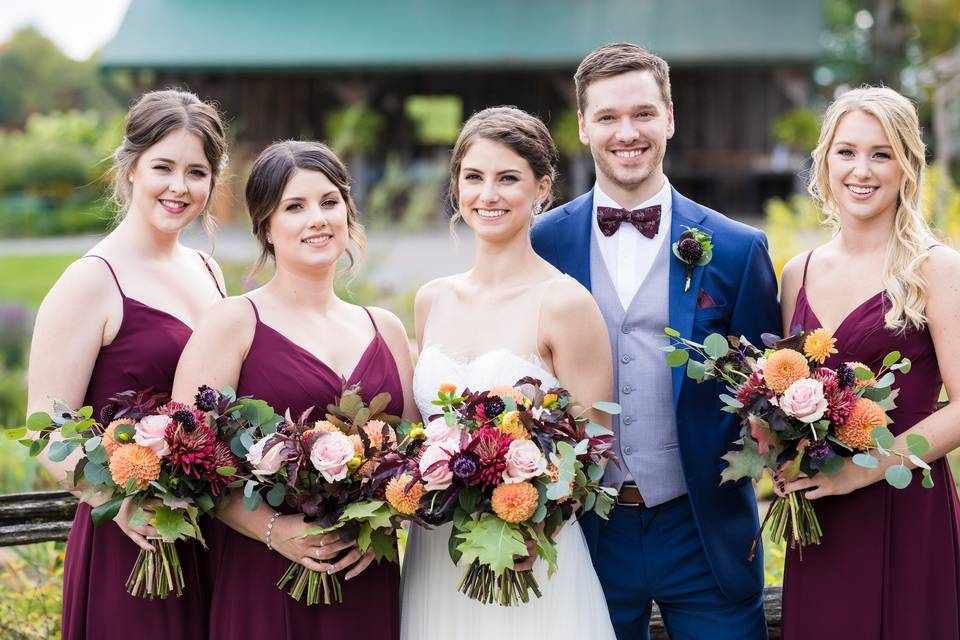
704,301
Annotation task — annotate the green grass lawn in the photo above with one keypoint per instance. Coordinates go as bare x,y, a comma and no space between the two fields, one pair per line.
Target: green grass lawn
26,279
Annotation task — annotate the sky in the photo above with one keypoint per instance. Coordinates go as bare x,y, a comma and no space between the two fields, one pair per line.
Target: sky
78,27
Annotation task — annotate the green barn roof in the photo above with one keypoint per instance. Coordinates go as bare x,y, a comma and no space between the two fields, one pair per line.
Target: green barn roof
385,34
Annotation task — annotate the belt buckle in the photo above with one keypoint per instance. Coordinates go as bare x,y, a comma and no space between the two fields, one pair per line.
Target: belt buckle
628,504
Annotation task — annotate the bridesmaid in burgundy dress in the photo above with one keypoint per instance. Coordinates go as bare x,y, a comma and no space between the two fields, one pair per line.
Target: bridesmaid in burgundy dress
290,343
889,563
118,320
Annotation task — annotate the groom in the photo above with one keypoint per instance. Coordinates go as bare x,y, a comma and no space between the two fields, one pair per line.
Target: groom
676,535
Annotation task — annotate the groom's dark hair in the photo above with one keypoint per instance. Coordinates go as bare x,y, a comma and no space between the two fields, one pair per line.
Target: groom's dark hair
615,59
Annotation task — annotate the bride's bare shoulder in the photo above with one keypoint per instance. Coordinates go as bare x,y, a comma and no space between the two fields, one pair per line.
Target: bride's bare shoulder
565,294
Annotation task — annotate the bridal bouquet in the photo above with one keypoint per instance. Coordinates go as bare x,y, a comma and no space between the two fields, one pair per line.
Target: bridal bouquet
800,416
170,459
327,470
505,466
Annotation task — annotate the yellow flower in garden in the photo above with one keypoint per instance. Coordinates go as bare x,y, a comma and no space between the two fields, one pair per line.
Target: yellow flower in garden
783,368
819,345
861,384
405,502
109,440
134,461
514,502
865,417
511,425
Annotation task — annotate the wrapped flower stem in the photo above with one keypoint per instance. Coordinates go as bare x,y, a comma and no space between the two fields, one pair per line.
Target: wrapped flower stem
794,519
156,573
480,582
313,583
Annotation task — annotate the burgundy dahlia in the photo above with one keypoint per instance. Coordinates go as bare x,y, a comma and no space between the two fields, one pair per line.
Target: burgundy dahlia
222,457
490,446
206,399
465,465
192,451
846,376
751,389
431,517
186,416
840,399
107,413
493,406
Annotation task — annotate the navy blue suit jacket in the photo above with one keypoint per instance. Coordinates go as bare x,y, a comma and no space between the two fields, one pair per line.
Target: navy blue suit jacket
741,282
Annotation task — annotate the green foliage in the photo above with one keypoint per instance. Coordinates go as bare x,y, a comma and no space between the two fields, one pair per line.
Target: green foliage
566,133
354,129
31,582
436,119
492,542
798,129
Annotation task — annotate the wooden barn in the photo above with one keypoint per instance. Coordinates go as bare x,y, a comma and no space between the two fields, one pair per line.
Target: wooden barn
288,69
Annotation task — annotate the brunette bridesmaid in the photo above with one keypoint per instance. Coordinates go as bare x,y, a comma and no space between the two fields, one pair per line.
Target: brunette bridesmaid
292,343
889,563
117,319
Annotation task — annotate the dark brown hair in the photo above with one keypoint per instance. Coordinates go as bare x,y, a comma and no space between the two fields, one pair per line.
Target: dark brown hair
156,114
269,176
615,59
525,134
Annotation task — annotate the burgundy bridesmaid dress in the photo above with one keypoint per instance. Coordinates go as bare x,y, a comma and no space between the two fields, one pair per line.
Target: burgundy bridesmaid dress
246,600
889,563
99,559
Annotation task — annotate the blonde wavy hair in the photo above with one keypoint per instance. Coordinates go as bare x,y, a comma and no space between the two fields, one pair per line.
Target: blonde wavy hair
912,238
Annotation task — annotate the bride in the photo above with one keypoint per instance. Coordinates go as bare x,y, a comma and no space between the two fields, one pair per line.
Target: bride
512,315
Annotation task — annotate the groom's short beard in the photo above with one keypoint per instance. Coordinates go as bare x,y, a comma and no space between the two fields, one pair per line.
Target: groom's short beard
634,179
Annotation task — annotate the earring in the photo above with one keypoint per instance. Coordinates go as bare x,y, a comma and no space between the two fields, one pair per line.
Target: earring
269,239
130,178
537,208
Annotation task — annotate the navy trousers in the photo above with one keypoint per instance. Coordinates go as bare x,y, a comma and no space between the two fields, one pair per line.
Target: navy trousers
655,554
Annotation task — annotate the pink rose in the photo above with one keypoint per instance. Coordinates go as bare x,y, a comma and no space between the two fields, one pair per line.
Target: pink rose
330,454
265,461
524,461
438,431
441,476
151,432
804,400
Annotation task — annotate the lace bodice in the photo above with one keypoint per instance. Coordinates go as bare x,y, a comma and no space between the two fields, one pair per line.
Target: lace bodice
493,368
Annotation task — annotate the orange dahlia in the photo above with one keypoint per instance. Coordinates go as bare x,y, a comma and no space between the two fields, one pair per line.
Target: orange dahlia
505,392
374,431
109,440
514,502
511,425
448,388
861,384
405,502
819,345
134,461
783,368
865,417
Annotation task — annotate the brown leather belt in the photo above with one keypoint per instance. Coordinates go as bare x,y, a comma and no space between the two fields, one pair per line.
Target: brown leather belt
629,495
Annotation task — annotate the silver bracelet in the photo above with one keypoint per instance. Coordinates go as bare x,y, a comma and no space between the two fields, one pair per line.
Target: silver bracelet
273,520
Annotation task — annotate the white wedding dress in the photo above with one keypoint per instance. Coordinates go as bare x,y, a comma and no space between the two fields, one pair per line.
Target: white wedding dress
572,605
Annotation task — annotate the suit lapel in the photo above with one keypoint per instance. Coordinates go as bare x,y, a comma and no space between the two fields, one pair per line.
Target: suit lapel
573,238
683,304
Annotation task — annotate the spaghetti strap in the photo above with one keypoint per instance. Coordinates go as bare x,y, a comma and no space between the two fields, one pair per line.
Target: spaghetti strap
255,312
376,329
206,263
806,264
112,272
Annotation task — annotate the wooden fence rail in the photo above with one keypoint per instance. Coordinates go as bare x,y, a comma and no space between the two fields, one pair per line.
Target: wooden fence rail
26,518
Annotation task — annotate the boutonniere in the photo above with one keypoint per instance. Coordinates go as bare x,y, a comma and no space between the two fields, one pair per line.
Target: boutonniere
694,249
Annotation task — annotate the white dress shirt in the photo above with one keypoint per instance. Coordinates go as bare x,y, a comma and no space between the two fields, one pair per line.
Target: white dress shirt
628,254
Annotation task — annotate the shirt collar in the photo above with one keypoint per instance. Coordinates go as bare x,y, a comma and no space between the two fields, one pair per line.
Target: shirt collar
663,197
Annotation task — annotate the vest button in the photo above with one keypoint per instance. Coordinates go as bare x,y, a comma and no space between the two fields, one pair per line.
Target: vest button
625,329
628,420
626,389
628,450
625,359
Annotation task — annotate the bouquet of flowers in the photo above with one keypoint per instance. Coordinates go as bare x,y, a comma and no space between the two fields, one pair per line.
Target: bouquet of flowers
800,416
172,460
505,465
326,470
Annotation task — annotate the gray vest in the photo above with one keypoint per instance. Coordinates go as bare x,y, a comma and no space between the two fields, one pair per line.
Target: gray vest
646,430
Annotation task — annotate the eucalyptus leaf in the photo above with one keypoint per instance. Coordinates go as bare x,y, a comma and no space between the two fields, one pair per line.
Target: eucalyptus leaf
885,380
918,462
594,430
249,488
716,345
731,401
863,373
696,370
669,348
917,444
882,436
905,368
891,358
92,443
98,455
927,479
595,472
832,466
673,333
677,358
15,434
866,461
898,476
60,449
611,408
39,421
252,501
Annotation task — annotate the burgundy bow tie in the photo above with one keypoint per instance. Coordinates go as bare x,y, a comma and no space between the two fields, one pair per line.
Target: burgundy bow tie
646,220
